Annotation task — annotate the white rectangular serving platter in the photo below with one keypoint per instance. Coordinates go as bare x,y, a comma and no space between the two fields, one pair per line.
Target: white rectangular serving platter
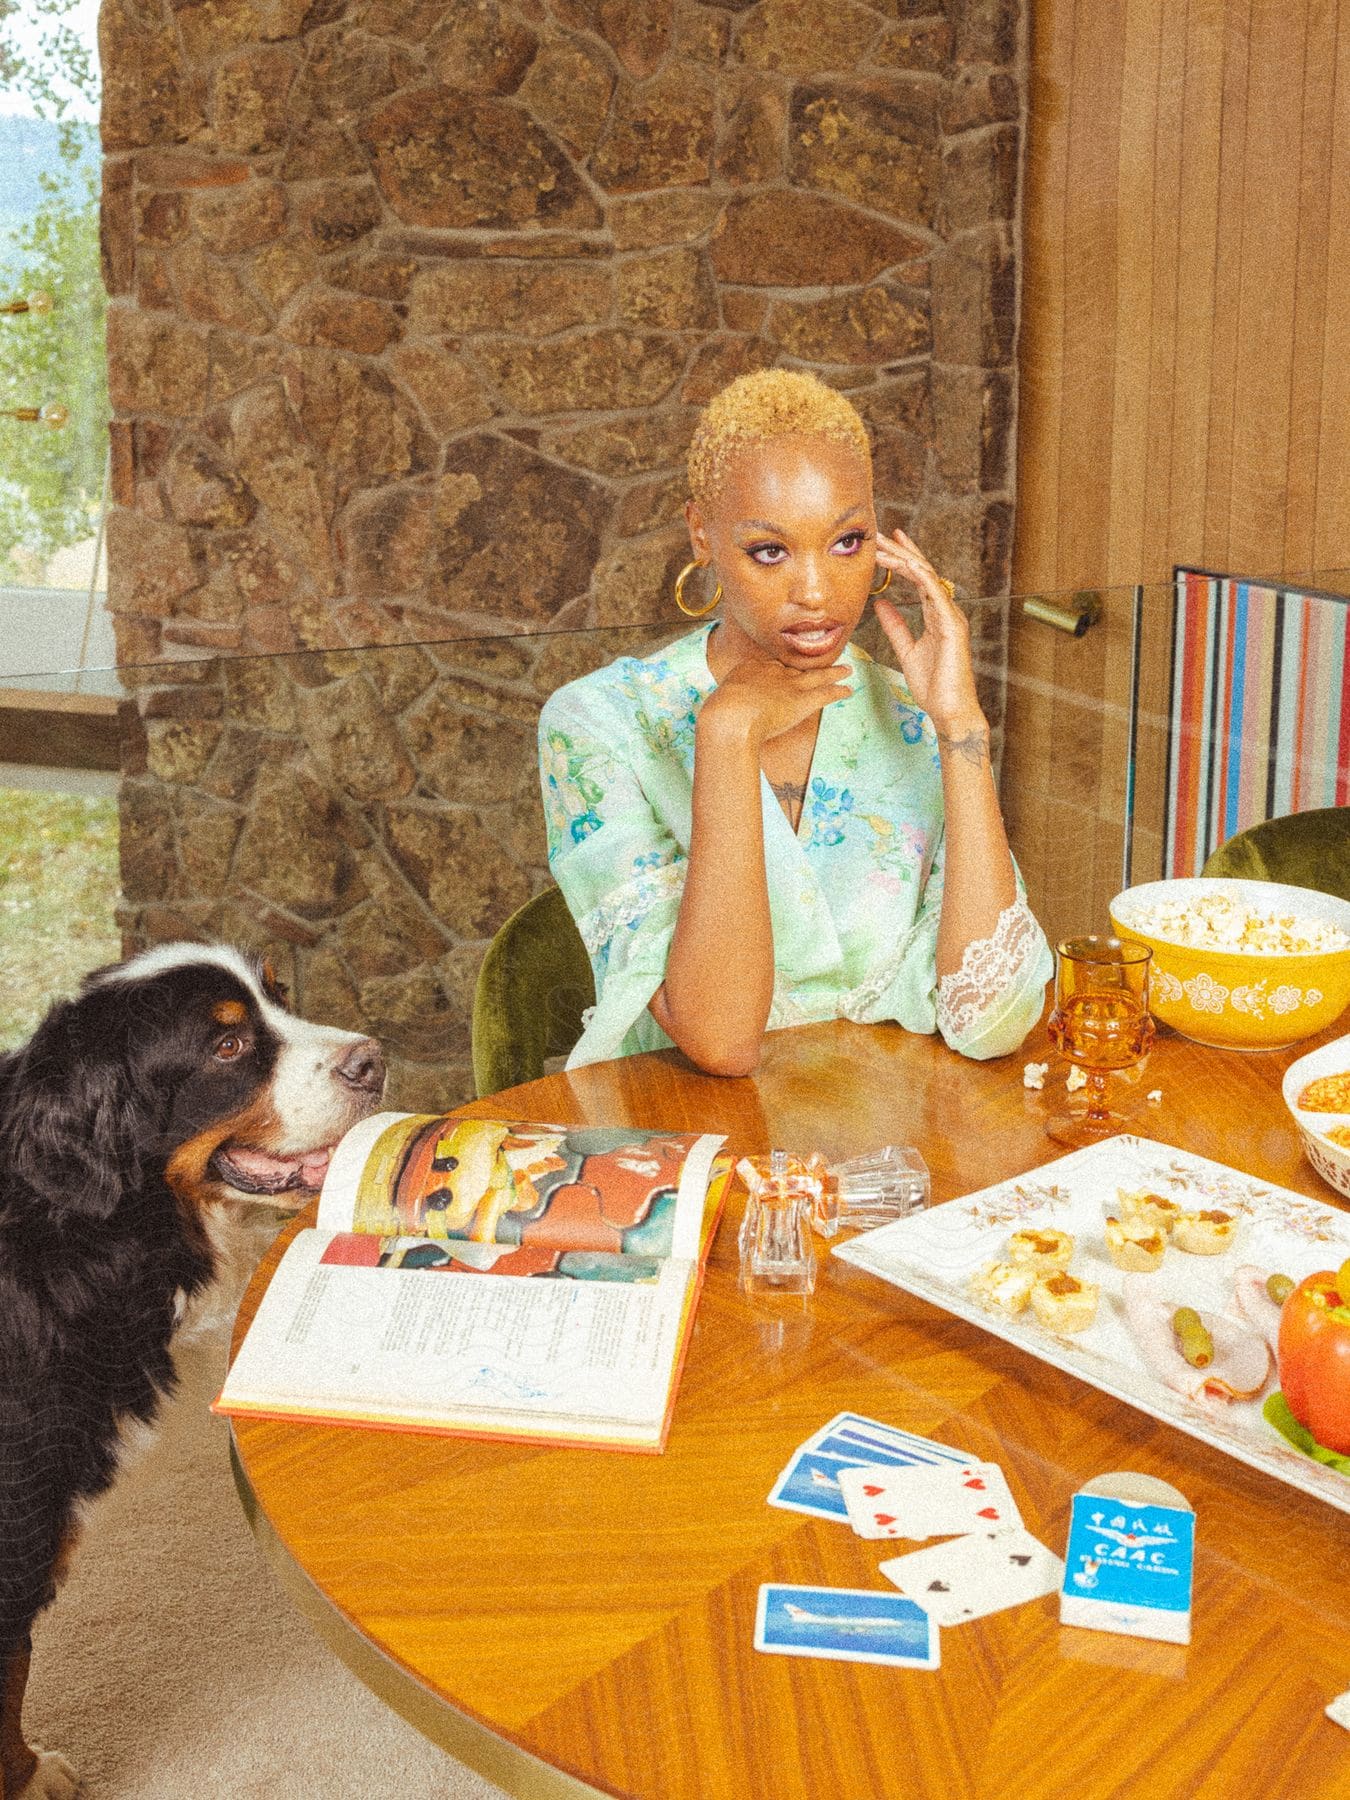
933,1254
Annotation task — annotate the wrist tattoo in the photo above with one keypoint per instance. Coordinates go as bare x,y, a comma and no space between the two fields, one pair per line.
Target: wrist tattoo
973,746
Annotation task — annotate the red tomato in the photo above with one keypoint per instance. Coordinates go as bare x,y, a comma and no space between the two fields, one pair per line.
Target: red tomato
1314,1359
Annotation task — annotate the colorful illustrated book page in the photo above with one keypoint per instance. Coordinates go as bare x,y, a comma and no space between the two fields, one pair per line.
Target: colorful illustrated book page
595,1237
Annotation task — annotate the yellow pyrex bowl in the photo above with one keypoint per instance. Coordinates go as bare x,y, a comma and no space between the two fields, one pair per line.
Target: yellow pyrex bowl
1241,999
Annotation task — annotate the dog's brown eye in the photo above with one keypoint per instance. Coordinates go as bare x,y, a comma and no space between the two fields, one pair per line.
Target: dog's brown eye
229,1047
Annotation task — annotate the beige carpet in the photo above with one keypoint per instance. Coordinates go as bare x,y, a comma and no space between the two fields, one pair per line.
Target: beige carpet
173,1667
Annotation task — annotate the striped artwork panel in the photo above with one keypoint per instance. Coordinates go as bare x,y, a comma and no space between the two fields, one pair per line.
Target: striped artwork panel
1258,710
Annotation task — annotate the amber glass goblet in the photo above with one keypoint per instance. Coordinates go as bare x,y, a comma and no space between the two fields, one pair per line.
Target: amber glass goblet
1101,1023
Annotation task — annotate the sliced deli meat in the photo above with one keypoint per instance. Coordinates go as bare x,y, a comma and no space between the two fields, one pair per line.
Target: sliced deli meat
1242,1358
1256,1305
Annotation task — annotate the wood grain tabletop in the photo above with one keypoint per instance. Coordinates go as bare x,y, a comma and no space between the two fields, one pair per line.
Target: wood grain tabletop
572,1621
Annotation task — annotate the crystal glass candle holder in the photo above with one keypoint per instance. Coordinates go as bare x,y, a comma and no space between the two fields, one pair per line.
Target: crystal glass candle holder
883,1186
777,1256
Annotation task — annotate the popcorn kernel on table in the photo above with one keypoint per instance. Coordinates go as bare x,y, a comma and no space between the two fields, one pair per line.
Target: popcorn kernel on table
1077,1078
1034,1073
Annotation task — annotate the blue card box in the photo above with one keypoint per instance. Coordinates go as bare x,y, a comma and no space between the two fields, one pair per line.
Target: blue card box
1127,1568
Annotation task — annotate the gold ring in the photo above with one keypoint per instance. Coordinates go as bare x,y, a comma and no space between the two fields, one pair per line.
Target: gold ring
948,587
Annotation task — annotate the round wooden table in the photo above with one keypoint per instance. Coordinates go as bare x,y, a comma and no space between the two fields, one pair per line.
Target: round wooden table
569,1621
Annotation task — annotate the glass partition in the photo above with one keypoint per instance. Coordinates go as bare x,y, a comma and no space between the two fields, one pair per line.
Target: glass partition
369,815
53,365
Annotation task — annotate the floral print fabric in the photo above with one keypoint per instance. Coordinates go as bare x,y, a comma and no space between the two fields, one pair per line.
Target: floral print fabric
855,893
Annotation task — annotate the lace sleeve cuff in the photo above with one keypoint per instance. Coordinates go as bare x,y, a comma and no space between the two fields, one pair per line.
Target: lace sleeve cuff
629,905
989,968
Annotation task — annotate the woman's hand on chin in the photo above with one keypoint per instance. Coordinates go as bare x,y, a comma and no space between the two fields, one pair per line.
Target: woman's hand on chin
760,699
937,665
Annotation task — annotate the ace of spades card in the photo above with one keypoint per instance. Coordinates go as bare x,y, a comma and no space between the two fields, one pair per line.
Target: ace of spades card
976,1575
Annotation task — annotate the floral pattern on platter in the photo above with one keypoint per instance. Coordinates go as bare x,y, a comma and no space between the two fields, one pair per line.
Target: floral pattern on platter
1239,1194
1017,1200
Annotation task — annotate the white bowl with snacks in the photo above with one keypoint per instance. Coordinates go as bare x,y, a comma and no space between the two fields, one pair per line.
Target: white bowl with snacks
1245,965
1317,1092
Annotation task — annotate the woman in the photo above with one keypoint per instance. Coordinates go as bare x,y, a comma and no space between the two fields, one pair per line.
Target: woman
759,826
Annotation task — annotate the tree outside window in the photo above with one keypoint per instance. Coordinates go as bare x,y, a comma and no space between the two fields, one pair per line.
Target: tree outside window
51,482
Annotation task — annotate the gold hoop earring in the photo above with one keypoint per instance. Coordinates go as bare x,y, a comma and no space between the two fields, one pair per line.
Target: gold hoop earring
886,582
691,612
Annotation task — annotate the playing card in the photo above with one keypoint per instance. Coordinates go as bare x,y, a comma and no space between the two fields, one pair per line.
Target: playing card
924,1502
917,1449
810,1484
872,1431
846,1625
976,1575
849,1448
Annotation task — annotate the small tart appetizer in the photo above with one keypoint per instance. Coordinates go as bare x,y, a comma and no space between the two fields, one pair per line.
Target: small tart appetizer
1204,1233
1002,1286
1135,1245
1041,1249
1153,1209
1063,1302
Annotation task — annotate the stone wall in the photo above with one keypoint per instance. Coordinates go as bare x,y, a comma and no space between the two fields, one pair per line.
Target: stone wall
413,304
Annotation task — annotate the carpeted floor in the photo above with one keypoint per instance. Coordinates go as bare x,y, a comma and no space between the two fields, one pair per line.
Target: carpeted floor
173,1667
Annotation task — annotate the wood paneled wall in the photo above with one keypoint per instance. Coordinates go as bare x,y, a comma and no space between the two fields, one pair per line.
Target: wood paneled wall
1184,371
1185,326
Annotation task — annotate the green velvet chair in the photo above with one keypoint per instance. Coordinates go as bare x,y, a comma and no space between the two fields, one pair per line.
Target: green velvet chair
533,987
1309,849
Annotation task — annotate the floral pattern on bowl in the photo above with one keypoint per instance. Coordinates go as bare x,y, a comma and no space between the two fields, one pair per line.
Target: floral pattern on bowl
1240,999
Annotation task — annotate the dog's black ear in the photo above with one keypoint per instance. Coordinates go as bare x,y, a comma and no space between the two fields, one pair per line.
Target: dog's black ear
75,1130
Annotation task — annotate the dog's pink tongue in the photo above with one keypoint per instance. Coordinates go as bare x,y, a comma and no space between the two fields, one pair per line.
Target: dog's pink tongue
276,1174
261,1167
314,1167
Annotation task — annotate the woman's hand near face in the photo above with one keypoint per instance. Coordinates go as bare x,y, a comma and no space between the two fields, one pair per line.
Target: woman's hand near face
759,699
936,666
979,881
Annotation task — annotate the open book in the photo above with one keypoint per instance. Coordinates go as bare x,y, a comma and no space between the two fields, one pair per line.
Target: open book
594,1239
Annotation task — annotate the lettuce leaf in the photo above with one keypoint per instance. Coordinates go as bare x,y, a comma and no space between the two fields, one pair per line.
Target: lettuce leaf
1276,1412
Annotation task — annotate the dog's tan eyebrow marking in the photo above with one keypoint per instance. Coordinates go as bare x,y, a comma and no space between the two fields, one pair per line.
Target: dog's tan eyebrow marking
229,1012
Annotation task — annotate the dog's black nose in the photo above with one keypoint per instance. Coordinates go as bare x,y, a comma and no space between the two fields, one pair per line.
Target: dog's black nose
363,1067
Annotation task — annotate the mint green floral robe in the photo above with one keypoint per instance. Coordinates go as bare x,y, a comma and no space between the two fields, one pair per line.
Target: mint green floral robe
855,893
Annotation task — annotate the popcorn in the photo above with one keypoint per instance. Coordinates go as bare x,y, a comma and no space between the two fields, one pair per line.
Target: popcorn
1218,922
1339,1710
1155,1097
1077,1078
1034,1074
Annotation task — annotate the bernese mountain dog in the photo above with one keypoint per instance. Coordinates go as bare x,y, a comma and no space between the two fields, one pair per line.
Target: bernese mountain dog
169,1085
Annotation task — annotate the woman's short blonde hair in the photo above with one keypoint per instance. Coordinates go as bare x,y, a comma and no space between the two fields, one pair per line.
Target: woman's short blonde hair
762,406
